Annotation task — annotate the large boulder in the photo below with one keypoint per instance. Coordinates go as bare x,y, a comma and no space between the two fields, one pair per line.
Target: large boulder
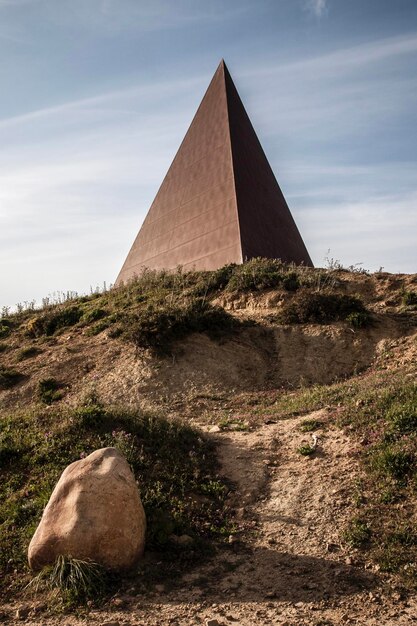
94,512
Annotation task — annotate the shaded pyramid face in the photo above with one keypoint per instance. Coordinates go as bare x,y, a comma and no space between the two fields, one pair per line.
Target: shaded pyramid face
219,202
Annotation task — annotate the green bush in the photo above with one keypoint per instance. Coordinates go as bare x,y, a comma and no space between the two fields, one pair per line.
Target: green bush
358,533
51,321
321,308
156,328
28,353
48,390
93,315
260,273
5,327
9,377
409,298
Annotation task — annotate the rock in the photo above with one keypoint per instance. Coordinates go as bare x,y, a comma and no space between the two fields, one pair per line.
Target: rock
182,540
212,622
215,429
22,612
95,513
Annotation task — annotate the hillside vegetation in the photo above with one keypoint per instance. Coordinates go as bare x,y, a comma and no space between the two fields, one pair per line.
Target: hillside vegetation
155,366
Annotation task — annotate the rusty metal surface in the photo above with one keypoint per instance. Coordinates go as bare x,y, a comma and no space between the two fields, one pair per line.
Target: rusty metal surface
219,202
267,227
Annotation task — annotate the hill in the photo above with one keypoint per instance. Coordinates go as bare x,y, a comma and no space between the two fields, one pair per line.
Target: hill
269,413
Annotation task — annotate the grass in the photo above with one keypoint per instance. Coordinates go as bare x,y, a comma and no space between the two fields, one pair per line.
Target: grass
75,580
175,466
386,419
310,425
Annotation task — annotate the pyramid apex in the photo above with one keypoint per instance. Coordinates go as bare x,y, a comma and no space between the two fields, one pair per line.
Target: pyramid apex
220,202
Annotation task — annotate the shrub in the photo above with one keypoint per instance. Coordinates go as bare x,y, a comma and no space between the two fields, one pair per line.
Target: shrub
409,298
321,308
48,390
28,353
9,377
157,328
5,327
98,328
260,273
93,315
306,450
358,533
51,321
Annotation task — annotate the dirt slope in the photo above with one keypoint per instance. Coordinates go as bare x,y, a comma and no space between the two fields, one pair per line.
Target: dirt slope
288,564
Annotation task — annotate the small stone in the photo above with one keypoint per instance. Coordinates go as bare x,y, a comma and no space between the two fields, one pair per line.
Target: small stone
215,429
332,547
182,540
160,588
232,539
111,623
212,622
22,612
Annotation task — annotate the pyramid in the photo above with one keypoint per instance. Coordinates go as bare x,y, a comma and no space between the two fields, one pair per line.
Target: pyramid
219,202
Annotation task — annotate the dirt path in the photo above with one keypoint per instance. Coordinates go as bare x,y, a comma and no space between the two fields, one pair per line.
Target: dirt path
291,570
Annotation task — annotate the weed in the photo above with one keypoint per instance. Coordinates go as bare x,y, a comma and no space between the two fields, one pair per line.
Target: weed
229,423
397,464
306,450
48,390
358,533
74,579
309,425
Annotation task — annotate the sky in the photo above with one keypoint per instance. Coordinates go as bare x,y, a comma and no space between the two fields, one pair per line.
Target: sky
96,96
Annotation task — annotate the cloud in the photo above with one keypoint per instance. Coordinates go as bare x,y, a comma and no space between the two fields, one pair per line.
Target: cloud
317,7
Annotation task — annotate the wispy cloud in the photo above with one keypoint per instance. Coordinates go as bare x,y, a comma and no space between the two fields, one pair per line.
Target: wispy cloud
317,7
